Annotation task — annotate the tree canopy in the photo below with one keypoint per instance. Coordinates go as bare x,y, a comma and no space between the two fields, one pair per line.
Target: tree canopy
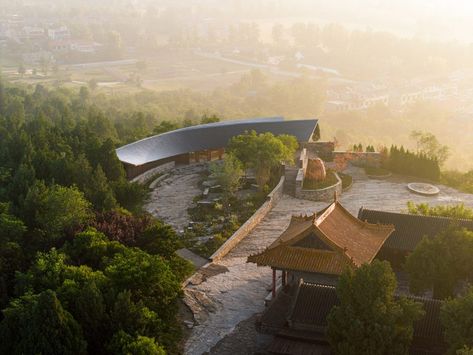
262,152
459,211
457,318
440,263
369,319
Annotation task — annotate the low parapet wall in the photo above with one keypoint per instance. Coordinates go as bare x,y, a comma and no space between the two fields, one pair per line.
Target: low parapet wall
150,173
272,199
325,194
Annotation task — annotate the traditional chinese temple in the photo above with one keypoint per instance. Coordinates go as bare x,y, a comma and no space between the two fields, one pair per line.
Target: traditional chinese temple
311,254
318,248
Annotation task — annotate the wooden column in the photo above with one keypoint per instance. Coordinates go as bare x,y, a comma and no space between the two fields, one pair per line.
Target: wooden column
273,290
284,278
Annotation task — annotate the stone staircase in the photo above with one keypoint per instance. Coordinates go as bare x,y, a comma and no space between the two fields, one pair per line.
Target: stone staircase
290,174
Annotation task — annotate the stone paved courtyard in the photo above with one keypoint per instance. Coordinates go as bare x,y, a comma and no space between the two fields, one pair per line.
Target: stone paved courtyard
171,198
237,295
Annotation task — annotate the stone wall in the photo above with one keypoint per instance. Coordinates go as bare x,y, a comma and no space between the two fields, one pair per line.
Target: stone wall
272,199
326,194
150,173
303,159
361,158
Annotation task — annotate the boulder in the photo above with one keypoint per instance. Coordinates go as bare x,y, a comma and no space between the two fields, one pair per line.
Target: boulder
315,170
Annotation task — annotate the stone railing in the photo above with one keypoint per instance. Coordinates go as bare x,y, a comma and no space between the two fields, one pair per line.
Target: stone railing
325,194
150,173
272,199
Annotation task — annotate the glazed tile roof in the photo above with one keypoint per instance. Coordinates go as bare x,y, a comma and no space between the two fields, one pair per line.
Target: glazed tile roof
302,259
410,229
209,136
347,241
359,240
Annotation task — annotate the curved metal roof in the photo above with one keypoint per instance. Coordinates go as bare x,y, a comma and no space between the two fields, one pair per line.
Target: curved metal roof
209,136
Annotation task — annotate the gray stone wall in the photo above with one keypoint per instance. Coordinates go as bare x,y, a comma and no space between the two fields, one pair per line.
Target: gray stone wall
150,173
326,194
273,198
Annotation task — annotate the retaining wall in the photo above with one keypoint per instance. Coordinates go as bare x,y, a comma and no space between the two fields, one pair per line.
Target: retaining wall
326,194
272,199
150,173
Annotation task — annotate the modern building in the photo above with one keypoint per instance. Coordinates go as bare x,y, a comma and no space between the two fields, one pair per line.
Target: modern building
205,142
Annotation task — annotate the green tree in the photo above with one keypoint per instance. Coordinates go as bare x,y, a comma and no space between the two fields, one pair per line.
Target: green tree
165,126
91,248
457,318
125,344
369,319
440,263
459,211
147,277
429,145
262,153
228,173
209,119
12,257
100,193
134,317
38,324
56,208
160,239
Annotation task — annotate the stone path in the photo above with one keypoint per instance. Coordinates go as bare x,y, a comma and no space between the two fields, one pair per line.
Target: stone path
172,197
238,294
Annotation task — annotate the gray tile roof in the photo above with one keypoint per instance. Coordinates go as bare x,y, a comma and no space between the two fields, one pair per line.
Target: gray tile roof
209,136
409,229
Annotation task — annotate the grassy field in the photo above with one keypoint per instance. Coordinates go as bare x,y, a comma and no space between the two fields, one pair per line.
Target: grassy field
167,70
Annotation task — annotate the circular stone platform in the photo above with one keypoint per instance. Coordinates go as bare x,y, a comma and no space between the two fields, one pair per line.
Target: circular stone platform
423,188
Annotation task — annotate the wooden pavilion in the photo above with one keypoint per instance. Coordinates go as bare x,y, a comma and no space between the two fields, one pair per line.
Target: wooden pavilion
319,247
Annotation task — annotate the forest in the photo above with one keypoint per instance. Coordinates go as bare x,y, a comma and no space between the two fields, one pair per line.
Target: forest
78,257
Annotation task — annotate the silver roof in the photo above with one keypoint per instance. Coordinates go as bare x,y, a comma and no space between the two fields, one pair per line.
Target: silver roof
209,136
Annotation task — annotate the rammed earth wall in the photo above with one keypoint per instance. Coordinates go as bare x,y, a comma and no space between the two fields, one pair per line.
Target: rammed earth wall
272,199
150,173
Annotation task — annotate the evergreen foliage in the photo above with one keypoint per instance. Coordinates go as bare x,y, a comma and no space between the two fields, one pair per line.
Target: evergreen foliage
441,263
457,318
262,152
402,161
459,211
65,287
369,319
